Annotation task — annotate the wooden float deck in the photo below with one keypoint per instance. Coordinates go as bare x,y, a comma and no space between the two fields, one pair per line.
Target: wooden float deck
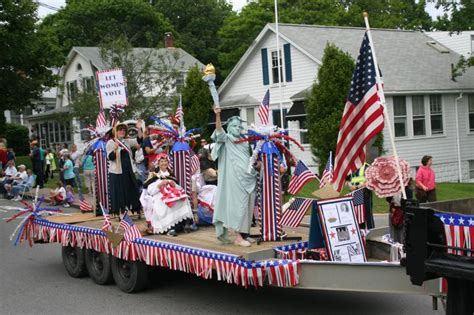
204,238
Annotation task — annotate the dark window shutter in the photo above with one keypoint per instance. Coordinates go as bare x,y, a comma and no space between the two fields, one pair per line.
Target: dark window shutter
266,79
287,53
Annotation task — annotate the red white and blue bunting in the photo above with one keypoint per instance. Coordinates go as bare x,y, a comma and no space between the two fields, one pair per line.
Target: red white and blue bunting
228,268
459,232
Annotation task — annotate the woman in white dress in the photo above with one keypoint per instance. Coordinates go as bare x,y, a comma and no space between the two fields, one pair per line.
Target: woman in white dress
164,202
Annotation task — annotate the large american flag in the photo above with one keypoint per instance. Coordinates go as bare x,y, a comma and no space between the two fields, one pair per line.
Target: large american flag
131,230
301,176
459,232
100,121
359,205
107,226
327,173
293,216
264,109
362,118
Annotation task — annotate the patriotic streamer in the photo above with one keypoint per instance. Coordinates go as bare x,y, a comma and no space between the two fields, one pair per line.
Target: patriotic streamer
270,201
202,263
182,167
458,231
24,230
292,251
101,178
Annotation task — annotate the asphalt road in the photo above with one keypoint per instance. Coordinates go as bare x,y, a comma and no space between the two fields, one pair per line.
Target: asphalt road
33,281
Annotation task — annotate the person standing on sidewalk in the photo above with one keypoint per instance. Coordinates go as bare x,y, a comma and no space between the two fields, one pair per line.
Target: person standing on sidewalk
37,163
426,181
76,159
50,164
89,169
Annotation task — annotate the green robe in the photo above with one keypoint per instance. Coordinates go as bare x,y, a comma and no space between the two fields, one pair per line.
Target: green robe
236,186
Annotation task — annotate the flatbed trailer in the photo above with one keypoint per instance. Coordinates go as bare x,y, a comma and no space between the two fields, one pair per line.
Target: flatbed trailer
87,251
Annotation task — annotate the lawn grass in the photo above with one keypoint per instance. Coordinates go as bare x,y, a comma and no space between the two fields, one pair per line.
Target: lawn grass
444,191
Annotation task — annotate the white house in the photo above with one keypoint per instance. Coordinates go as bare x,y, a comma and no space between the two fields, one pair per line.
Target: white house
77,75
431,113
461,43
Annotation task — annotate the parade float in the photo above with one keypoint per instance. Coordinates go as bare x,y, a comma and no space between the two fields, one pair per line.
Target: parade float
330,252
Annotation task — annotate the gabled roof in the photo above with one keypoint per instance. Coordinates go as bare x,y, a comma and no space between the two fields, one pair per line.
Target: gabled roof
459,42
185,60
408,63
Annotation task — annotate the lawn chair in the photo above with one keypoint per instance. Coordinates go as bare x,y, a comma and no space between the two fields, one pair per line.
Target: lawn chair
28,191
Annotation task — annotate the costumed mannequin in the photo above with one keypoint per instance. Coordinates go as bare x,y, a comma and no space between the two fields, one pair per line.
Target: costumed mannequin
165,203
123,186
236,189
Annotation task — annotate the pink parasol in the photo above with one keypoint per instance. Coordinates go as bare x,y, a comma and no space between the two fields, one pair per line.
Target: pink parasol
382,176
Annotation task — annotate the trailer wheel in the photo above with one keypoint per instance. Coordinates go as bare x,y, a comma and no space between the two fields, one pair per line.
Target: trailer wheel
130,276
73,260
99,267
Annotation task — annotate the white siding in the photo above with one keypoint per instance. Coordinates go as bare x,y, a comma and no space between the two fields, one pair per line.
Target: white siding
73,74
460,43
443,148
249,78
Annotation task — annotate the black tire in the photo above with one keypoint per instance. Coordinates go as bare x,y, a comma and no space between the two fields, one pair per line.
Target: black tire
99,267
130,276
74,262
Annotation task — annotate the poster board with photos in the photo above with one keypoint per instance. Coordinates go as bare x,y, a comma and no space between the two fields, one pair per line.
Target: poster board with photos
112,88
341,231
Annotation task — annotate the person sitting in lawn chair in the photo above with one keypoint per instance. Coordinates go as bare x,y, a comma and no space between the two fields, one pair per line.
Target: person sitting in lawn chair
26,185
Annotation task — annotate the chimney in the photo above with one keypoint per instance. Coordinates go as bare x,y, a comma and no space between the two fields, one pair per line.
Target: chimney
169,40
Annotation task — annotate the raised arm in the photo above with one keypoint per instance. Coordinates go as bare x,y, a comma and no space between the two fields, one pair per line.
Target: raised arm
217,111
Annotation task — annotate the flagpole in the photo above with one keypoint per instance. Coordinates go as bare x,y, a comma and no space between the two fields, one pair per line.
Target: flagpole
279,65
385,112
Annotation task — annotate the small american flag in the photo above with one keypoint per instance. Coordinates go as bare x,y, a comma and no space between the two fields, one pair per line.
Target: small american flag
131,230
359,205
301,176
195,166
362,118
84,205
264,108
100,121
179,111
293,216
327,173
107,226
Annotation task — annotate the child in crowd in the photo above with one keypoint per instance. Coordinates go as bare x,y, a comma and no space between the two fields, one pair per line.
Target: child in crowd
69,195
58,195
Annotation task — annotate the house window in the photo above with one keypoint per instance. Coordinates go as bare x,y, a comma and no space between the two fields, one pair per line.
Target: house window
88,85
78,67
72,90
275,67
179,81
304,136
471,169
250,116
436,114
418,106
400,116
276,117
471,112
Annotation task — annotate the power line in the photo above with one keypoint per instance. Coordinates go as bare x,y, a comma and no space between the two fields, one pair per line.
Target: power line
47,6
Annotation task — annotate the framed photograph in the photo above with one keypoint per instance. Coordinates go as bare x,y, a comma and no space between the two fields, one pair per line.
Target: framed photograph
340,230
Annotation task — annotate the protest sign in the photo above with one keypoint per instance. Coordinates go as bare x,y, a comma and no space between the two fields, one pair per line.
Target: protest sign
112,88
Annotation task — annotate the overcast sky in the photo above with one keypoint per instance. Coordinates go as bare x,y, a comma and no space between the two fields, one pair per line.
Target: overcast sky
237,5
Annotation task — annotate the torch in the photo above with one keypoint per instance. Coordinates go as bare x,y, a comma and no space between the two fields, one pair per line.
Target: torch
209,77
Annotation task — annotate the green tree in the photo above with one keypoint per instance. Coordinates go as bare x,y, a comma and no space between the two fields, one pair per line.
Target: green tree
325,103
24,57
92,22
394,14
461,17
197,102
197,22
17,138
